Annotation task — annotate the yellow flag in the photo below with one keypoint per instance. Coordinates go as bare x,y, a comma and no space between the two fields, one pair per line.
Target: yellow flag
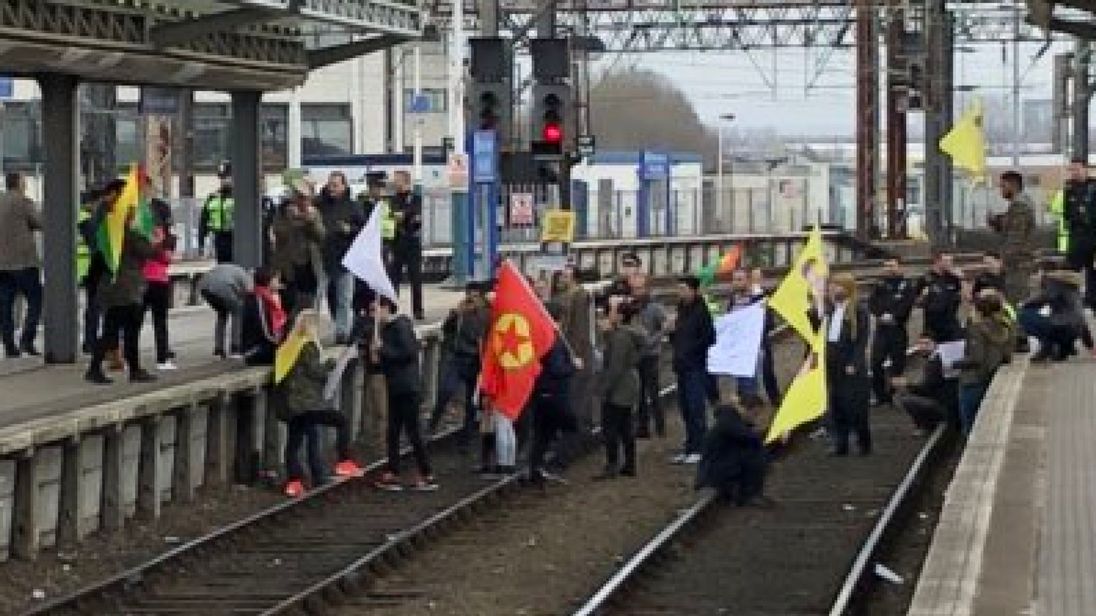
116,219
806,397
803,288
286,355
965,143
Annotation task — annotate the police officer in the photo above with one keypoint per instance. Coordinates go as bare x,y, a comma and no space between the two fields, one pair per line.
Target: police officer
891,303
218,217
1079,218
1016,227
941,292
406,207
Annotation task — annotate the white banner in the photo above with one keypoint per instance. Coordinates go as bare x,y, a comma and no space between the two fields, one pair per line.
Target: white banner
738,342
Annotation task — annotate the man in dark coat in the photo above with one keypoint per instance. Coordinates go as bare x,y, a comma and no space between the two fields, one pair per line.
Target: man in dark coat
693,334
934,396
734,459
941,292
407,209
343,218
891,303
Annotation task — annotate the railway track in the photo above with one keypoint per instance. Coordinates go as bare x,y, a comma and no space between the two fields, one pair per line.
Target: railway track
812,553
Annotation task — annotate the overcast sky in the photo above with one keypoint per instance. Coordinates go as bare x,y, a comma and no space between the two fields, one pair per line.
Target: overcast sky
730,82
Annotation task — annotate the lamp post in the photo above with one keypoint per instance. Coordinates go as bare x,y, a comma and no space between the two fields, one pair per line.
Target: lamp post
726,117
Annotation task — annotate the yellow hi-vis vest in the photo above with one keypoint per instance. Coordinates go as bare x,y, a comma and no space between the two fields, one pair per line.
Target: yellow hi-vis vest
83,251
388,221
221,213
1057,208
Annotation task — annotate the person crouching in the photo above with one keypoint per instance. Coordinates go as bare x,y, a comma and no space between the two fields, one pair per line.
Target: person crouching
733,461
304,408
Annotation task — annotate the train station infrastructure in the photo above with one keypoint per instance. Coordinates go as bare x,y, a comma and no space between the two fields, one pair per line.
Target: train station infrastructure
1016,532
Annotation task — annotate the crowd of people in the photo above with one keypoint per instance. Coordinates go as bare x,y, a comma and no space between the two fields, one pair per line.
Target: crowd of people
610,345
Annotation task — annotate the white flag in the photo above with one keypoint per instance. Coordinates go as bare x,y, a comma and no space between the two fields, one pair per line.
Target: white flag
738,341
364,259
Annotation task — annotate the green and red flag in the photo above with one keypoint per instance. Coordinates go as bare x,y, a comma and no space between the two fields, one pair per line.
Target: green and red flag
112,232
722,266
521,333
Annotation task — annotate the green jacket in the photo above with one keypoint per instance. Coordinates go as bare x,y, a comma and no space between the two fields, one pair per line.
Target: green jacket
989,344
302,389
620,380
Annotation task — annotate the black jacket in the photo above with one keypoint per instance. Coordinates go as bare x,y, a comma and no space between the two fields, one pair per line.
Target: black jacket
893,295
361,333
733,456
941,304
409,226
256,338
935,387
988,280
1079,207
336,213
400,357
693,335
849,349
464,330
556,370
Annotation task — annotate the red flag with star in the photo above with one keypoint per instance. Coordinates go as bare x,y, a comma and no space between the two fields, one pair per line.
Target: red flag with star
521,333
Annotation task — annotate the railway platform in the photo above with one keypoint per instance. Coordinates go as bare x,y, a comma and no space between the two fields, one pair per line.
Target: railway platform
1017,529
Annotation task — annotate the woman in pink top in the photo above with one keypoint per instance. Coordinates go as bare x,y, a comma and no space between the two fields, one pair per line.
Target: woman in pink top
158,295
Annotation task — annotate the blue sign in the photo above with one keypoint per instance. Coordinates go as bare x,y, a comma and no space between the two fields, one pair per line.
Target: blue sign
654,166
484,155
419,104
7,87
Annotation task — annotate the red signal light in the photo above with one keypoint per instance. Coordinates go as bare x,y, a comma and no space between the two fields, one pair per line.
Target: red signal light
552,133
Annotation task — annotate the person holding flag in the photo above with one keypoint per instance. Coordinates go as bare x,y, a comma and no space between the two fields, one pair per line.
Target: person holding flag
124,240
520,335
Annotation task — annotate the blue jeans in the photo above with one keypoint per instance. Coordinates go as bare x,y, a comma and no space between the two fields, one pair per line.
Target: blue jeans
28,283
339,288
692,389
970,398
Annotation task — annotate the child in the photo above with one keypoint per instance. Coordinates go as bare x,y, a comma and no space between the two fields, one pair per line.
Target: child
624,344
303,408
263,319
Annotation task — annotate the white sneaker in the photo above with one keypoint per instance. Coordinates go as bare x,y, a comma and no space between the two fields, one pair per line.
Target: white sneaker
693,458
235,356
167,365
678,459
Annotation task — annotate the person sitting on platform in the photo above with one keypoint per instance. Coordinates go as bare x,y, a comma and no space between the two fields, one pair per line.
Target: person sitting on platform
1055,316
303,408
263,319
989,344
733,461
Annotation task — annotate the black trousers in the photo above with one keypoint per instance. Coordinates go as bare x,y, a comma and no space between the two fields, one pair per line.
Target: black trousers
222,246
28,283
403,418
616,426
124,321
849,401
307,425
888,345
768,374
157,302
650,405
408,257
550,417
925,412
1082,252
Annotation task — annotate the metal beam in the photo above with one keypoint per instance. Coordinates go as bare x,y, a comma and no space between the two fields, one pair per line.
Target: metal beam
169,34
325,56
247,240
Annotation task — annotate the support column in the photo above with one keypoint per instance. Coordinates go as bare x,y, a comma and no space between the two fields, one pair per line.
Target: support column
246,176
148,470
218,442
60,126
867,116
938,105
897,91
25,530
112,511
182,477
1082,94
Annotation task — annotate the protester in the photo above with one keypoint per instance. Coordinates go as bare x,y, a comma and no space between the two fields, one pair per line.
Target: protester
989,344
653,319
407,209
847,366
224,288
550,399
396,350
158,294
20,266
733,463
743,296
1017,228
374,198
768,358
891,302
463,336
122,296
88,227
263,320
342,219
619,385
693,334
577,326
298,232
992,275
375,407
1055,316
934,395
941,292
218,217
304,408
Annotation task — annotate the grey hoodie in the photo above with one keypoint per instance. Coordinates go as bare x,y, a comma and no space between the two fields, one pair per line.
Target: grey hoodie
653,321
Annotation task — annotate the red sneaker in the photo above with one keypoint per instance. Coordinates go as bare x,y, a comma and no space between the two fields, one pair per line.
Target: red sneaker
389,481
294,489
348,468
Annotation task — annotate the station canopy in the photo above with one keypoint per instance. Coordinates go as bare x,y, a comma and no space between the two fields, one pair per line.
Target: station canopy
210,44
